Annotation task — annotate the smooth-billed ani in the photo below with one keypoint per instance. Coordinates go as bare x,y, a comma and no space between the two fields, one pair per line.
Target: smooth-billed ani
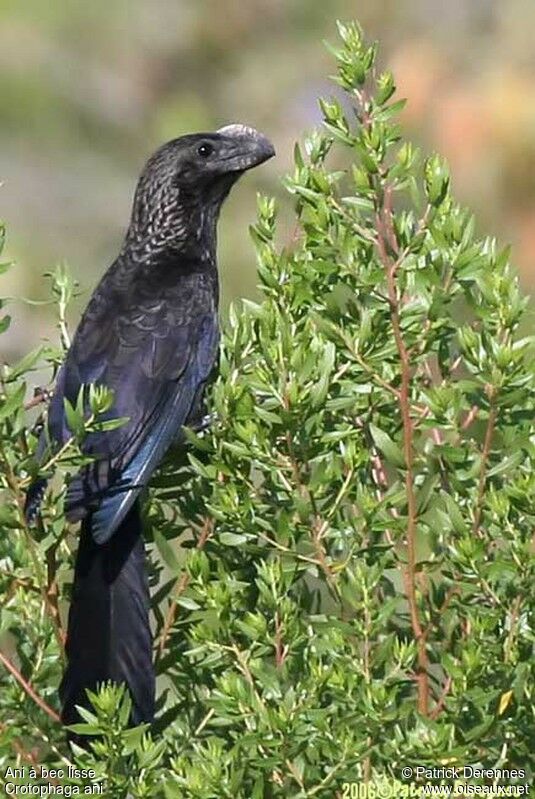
150,334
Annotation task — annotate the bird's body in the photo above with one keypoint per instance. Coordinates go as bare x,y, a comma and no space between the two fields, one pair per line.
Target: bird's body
150,334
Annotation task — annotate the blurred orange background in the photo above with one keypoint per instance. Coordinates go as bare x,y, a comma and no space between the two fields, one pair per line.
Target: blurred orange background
88,90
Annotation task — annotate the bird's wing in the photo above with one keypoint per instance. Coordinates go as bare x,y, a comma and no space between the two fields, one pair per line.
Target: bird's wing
156,355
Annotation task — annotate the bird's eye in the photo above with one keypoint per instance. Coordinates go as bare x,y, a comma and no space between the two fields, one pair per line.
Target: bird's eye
204,150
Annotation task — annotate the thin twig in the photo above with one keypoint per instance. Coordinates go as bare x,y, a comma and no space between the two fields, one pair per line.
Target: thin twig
25,685
485,454
246,671
295,774
281,649
364,233
441,702
287,550
40,395
318,531
470,417
206,531
70,442
376,377
331,774
52,591
204,721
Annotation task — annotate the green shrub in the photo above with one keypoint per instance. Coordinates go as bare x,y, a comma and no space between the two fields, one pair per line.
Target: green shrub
342,566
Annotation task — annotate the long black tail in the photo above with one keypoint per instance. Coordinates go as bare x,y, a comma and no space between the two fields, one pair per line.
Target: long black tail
109,636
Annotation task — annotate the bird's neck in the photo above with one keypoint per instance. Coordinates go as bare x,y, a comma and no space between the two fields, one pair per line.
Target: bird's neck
185,230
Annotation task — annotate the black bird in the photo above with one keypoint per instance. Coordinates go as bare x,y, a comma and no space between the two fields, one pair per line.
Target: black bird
150,333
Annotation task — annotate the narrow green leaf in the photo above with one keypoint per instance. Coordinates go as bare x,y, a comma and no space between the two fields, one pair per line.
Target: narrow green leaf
387,446
232,539
12,402
166,551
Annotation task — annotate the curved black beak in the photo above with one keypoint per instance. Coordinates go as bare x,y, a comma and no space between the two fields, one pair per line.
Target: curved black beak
247,147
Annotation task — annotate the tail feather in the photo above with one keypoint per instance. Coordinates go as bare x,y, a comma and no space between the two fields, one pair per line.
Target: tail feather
109,636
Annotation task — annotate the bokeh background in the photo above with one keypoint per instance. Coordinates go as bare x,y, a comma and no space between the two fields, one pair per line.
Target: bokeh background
88,89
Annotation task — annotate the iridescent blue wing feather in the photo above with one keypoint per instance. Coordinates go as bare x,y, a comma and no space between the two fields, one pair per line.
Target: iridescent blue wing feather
155,356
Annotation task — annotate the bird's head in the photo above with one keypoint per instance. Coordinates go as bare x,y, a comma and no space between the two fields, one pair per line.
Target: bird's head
183,185
203,161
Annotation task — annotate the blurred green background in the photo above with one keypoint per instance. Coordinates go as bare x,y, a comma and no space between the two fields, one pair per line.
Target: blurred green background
89,89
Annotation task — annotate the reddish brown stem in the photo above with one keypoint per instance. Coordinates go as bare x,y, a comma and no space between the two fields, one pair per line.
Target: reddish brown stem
470,417
485,454
40,396
441,702
206,531
52,592
387,238
25,685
